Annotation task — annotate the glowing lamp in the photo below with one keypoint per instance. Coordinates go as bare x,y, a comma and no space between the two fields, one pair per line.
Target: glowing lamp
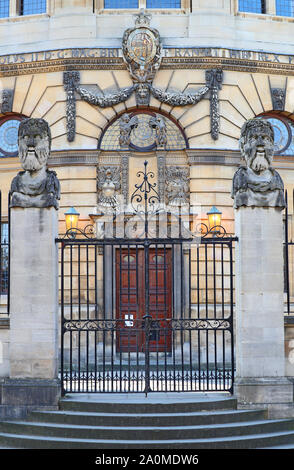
71,220
214,218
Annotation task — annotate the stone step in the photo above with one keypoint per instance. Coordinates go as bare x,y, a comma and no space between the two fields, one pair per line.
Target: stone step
147,419
252,441
161,421
139,404
154,433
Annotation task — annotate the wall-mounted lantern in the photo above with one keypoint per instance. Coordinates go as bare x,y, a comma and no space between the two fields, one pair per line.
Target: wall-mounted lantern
71,221
214,221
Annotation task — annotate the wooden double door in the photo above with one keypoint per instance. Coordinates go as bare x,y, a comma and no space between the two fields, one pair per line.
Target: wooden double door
136,286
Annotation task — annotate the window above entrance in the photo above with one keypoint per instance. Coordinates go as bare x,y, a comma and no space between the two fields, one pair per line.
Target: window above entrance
143,131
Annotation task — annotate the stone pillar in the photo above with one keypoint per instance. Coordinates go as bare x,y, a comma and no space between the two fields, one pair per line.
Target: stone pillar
260,350
33,354
33,304
259,202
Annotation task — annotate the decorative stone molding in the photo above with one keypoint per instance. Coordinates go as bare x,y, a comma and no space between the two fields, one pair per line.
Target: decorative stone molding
161,175
257,184
36,186
214,80
108,185
142,53
6,101
71,80
126,125
177,185
125,176
104,100
179,98
158,123
278,98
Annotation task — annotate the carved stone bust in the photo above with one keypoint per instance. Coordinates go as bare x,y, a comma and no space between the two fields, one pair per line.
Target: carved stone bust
35,186
257,184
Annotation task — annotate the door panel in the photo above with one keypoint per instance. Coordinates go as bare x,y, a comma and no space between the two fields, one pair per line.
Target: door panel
131,289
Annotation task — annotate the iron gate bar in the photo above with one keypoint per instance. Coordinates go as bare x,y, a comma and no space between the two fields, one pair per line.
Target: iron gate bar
182,325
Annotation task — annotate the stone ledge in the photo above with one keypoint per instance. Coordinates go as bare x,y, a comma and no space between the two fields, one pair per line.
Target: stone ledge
29,392
271,393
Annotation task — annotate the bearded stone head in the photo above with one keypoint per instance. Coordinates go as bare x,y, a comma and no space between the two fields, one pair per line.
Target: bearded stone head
34,142
257,144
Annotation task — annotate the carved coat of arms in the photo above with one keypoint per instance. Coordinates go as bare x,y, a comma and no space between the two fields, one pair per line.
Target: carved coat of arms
142,53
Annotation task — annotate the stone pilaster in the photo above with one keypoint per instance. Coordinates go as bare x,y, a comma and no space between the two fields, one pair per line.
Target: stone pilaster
260,357
34,309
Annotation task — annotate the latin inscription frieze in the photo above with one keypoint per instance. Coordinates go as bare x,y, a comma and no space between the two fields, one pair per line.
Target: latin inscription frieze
177,53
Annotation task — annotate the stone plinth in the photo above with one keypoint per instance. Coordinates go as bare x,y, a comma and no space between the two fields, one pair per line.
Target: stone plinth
33,306
34,294
260,355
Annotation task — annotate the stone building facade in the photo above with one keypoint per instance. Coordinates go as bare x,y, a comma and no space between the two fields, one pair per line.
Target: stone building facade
172,85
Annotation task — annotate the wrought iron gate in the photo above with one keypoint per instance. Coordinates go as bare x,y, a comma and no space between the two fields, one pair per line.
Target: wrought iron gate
148,313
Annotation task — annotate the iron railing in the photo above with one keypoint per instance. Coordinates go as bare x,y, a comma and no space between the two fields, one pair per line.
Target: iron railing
145,316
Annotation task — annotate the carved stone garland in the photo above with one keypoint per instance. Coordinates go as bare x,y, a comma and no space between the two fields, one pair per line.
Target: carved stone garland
142,52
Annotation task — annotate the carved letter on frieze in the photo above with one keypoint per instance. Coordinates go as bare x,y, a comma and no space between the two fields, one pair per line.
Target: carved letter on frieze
257,184
35,186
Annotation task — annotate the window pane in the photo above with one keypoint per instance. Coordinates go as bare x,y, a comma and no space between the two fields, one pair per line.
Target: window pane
163,4
285,7
121,4
9,137
4,8
32,7
252,6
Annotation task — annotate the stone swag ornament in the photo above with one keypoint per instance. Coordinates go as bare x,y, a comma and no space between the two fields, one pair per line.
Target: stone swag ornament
142,52
257,184
35,186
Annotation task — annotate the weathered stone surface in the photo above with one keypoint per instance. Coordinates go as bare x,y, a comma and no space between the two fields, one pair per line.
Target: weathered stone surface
257,184
36,186
33,318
